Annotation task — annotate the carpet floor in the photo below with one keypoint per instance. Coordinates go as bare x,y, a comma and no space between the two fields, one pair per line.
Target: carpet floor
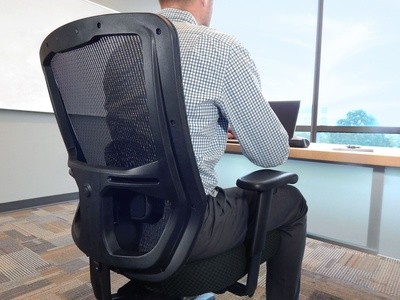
38,260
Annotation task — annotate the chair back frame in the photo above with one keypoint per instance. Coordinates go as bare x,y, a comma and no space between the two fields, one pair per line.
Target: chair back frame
173,176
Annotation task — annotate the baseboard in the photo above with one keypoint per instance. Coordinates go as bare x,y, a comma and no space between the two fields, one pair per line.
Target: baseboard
29,203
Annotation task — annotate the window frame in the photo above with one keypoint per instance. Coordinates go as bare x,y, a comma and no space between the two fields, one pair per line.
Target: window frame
314,128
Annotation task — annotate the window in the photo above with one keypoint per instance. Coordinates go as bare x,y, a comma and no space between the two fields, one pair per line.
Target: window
280,36
350,89
360,71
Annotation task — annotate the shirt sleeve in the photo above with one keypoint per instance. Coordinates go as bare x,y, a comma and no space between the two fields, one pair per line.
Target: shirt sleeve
263,139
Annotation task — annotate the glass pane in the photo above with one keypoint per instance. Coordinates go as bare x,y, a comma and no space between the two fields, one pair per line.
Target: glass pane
360,66
280,36
360,139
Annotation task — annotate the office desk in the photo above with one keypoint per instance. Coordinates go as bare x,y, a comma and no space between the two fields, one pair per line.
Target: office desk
380,156
361,188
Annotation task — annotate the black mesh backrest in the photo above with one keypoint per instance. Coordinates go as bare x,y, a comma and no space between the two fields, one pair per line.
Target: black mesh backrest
125,101
108,96
116,89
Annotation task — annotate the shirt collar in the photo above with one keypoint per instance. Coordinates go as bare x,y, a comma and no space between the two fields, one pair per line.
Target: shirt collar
177,15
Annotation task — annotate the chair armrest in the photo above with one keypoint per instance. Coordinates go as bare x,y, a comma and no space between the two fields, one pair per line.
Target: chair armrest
266,179
265,182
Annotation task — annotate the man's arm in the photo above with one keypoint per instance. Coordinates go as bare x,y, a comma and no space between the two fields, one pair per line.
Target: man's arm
263,139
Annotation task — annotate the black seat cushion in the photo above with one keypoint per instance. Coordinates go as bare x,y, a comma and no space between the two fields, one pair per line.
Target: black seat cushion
212,274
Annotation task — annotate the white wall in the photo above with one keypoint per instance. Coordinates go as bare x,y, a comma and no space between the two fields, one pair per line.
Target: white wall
27,24
33,158
21,84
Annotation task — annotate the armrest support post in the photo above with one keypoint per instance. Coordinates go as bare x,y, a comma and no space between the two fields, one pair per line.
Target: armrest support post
260,229
258,241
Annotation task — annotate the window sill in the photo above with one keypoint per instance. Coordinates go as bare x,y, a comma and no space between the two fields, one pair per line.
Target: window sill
380,156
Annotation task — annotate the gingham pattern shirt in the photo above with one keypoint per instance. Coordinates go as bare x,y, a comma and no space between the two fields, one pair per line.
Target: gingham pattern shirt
222,87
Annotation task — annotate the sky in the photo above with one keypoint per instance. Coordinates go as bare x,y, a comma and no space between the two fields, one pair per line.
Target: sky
360,68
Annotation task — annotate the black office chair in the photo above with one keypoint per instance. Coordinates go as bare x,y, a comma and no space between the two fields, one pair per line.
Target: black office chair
116,89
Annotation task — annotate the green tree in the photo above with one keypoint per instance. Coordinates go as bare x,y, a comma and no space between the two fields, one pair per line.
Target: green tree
358,118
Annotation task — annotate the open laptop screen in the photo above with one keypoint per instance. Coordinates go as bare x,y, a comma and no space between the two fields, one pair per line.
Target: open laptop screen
287,112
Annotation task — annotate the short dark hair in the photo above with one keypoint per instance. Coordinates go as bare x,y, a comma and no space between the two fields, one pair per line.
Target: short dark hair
175,1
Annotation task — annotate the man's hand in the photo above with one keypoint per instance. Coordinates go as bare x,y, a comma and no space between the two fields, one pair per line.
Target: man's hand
231,136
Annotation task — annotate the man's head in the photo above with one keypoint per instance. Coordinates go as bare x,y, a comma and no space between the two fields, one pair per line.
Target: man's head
200,9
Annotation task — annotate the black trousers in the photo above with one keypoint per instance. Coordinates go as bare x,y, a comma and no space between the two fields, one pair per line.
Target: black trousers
229,218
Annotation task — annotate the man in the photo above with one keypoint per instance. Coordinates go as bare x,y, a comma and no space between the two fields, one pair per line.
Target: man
222,87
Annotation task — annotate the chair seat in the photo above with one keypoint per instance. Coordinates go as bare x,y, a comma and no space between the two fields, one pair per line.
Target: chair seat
212,274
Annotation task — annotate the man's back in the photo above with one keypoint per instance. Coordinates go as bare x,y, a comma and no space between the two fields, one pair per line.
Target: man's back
222,89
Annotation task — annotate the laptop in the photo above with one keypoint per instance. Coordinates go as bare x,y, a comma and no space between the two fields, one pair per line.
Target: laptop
287,112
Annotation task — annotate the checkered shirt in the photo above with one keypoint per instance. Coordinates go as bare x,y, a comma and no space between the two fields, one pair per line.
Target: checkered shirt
222,87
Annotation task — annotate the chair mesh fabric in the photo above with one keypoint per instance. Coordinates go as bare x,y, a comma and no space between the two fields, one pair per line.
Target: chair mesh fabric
151,233
103,89
102,86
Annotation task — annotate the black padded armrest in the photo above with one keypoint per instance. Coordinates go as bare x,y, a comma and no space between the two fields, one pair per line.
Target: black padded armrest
266,179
